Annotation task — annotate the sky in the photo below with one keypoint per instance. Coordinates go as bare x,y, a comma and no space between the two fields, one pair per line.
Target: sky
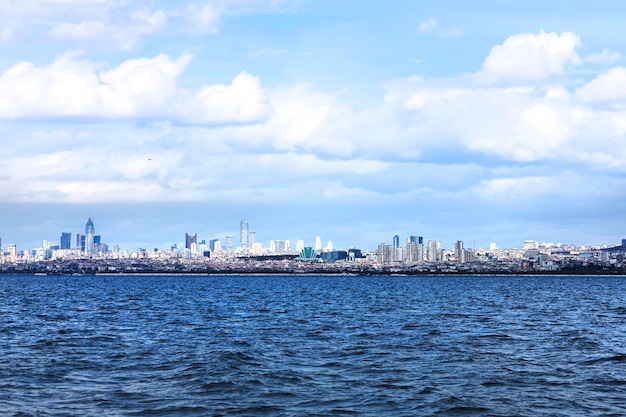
355,120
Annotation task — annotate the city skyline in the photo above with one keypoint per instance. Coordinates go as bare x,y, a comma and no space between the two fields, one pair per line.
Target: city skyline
410,245
355,121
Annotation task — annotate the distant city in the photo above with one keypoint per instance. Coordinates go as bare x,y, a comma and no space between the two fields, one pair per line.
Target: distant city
413,254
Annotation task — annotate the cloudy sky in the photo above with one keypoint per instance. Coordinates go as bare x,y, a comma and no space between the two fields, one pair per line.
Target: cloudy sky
487,121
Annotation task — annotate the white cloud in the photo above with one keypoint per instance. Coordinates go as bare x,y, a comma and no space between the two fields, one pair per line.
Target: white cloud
144,88
608,87
531,57
431,26
242,101
605,57
112,24
428,26
125,35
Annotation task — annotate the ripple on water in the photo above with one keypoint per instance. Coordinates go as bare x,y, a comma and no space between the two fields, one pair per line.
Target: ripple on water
293,346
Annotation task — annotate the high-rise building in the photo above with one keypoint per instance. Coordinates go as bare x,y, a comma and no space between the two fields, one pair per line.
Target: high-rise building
459,251
396,244
251,238
212,244
416,239
190,240
243,234
278,246
90,232
434,251
318,244
66,240
299,245
229,242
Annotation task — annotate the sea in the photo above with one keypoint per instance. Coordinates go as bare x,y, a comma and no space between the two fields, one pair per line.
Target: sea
251,345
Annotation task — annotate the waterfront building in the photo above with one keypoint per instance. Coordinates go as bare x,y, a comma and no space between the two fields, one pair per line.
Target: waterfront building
385,253
66,240
396,244
229,242
434,251
212,243
414,252
90,232
299,245
243,234
318,244
459,251
334,255
329,246
308,254
251,238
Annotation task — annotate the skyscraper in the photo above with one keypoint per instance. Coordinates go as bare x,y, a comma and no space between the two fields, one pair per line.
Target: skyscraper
459,251
190,240
318,244
66,240
90,232
396,244
415,239
229,242
243,236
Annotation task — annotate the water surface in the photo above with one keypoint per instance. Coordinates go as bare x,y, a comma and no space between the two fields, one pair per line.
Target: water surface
312,345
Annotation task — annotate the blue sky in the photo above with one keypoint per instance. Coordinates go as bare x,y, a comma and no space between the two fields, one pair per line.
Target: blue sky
494,121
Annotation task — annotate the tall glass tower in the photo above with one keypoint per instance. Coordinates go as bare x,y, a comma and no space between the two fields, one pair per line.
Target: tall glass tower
243,237
66,240
90,232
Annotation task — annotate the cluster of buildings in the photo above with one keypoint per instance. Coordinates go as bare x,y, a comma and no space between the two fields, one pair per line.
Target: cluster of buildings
414,253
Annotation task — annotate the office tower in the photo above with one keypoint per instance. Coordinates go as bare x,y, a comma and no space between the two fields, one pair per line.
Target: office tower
493,246
416,239
66,240
329,246
434,251
251,238
396,243
12,248
299,245
318,244
190,240
97,244
243,234
90,232
411,251
459,251
385,253
212,244
229,242
278,246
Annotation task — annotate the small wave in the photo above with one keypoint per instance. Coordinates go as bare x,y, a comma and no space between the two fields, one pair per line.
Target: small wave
613,358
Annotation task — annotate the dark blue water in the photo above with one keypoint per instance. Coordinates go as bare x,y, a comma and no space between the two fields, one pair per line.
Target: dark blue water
302,346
